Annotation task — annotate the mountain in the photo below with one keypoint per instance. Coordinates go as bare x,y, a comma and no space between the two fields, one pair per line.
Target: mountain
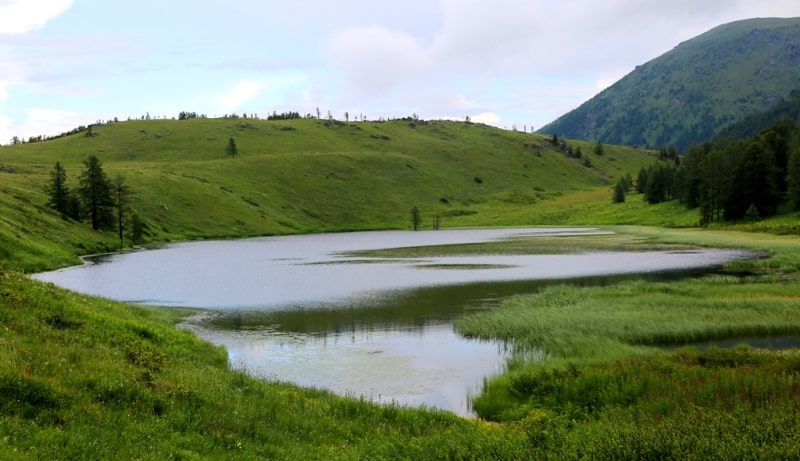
756,123
690,93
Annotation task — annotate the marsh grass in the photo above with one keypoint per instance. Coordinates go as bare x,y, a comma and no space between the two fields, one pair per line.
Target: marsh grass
599,384
578,241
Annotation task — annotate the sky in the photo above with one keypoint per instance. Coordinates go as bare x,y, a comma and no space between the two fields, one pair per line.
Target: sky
508,63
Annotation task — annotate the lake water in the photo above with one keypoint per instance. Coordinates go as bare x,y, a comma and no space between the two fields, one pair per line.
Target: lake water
298,309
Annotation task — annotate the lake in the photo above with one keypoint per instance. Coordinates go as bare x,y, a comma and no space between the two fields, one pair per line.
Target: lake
306,309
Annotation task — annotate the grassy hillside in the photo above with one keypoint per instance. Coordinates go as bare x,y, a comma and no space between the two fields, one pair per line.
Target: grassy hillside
295,176
691,92
86,378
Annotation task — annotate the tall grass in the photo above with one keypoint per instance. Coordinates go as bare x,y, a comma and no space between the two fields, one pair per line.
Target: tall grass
593,378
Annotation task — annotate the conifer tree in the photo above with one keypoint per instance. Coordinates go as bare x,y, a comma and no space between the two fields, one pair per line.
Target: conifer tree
231,149
793,177
58,191
95,194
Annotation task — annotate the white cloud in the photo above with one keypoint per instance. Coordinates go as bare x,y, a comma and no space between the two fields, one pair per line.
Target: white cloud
20,16
44,121
491,52
5,129
11,72
375,59
489,118
243,92
607,78
521,61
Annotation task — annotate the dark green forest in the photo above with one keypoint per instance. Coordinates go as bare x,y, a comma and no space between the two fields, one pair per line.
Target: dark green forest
731,179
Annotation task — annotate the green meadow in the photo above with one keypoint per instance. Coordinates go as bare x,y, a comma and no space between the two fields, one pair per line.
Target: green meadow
599,372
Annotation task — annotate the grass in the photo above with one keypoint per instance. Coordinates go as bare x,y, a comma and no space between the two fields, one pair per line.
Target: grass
86,378
592,378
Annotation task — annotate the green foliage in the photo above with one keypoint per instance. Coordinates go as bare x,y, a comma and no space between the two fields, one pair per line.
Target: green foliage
786,108
416,219
729,178
619,191
793,174
689,94
58,191
95,193
231,150
598,148
657,182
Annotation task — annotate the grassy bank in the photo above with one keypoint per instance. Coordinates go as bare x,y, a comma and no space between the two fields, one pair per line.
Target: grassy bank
84,378
592,376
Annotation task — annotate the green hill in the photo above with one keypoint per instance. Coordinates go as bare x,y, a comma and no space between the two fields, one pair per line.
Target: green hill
690,93
293,176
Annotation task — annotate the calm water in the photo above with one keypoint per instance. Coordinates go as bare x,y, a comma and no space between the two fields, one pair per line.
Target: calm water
293,309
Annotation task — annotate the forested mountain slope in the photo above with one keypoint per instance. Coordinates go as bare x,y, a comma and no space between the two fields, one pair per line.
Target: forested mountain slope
788,108
690,93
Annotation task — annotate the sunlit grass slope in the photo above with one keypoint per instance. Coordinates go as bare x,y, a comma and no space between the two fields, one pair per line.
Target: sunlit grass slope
306,176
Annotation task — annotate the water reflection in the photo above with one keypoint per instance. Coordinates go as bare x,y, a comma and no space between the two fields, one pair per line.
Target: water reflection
303,309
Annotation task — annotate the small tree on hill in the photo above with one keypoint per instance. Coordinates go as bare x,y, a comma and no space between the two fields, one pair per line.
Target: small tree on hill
95,194
619,191
598,148
231,149
415,218
137,228
58,191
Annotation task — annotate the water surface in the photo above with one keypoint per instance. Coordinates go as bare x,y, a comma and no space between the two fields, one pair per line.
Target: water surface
297,309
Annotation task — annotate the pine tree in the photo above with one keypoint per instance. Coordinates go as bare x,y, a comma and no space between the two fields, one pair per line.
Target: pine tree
598,148
231,150
619,191
415,218
95,194
58,191
793,177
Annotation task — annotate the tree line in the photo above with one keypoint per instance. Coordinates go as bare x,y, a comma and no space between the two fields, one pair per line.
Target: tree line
104,202
730,179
